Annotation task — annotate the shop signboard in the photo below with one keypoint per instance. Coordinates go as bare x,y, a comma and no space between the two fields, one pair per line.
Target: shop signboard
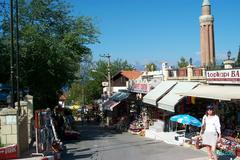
231,76
140,88
8,152
105,84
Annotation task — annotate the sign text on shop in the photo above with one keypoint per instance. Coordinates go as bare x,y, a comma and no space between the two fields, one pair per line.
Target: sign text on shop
224,76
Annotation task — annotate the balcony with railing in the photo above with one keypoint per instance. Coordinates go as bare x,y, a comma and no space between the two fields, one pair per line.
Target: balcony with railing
189,73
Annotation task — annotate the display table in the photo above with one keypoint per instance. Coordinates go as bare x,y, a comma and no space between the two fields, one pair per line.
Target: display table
135,127
229,145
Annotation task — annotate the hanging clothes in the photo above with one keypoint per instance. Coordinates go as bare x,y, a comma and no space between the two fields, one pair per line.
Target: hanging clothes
193,100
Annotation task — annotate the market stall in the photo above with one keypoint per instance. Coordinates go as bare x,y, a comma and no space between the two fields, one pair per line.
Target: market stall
46,136
136,127
227,108
186,120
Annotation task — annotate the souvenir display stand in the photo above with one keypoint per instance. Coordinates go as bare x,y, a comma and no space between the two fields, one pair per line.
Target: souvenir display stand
46,137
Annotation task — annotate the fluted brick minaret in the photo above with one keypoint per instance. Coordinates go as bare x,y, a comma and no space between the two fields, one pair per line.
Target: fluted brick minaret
207,35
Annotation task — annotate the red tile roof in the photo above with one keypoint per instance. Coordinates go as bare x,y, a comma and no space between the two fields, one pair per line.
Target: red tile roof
131,74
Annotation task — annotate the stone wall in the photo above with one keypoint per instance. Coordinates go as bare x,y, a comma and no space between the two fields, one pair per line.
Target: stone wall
190,73
8,131
15,128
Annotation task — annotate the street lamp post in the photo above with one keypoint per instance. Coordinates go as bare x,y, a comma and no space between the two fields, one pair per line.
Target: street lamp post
17,59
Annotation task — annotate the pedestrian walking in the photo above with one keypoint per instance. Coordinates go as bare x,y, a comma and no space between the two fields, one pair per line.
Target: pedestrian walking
211,132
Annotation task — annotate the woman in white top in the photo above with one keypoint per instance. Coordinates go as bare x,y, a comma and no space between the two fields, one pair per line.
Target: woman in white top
212,131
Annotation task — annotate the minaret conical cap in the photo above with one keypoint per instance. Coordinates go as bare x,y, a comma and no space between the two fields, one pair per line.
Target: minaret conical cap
206,3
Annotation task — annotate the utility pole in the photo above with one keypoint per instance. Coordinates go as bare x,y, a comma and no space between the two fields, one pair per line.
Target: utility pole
12,55
109,73
109,83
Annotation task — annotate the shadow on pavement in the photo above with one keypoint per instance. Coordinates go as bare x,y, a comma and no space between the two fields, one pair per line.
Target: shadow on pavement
88,132
72,156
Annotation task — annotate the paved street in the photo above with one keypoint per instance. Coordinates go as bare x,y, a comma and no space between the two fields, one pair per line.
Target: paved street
98,144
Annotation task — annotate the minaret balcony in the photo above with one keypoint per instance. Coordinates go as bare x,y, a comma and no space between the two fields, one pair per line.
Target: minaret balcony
206,19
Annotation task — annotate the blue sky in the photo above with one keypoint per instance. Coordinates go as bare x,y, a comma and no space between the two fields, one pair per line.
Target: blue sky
144,31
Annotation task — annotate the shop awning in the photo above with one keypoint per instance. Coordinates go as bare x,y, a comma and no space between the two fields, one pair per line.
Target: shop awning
155,82
154,95
219,92
119,96
114,100
169,101
109,105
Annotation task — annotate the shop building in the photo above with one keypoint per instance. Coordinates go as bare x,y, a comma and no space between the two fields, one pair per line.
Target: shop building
155,97
117,105
222,89
121,80
138,88
167,102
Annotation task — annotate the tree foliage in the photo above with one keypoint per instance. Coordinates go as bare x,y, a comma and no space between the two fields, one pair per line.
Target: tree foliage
151,67
4,62
75,93
52,43
237,62
94,86
182,62
77,89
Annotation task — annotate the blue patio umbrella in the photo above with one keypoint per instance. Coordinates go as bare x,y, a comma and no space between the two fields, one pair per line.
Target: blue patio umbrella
186,119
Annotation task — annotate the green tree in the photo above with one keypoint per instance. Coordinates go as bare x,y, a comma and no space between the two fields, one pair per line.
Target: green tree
78,87
75,92
52,43
151,67
237,63
182,62
4,62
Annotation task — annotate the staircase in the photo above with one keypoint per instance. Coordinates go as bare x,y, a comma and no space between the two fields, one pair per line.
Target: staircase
157,132
155,129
